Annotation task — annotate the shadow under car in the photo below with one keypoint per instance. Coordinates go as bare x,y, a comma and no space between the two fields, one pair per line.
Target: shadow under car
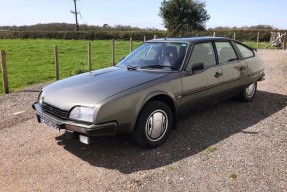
194,133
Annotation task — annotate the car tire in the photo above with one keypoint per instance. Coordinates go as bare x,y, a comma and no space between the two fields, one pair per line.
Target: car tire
249,92
153,125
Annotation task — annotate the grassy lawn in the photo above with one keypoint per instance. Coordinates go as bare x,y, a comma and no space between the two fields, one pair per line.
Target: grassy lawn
32,61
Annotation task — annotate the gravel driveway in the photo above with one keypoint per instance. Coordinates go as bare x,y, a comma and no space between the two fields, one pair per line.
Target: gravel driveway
231,146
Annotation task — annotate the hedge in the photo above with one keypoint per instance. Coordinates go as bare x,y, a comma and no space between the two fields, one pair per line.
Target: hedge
94,35
241,35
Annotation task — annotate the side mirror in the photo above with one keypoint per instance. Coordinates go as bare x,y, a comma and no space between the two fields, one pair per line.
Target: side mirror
197,67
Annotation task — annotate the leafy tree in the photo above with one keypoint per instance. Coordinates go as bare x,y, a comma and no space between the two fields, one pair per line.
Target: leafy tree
191,14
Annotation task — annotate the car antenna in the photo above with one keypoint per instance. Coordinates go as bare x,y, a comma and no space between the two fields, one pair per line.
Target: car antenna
173,31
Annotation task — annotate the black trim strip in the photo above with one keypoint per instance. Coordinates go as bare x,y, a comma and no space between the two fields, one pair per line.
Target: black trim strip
201,89
211,86
218,84
235,79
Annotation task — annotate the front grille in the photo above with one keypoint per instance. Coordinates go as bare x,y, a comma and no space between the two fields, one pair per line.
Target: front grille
54,111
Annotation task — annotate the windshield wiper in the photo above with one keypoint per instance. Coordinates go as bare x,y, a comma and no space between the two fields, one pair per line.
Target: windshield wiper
158,67
131,68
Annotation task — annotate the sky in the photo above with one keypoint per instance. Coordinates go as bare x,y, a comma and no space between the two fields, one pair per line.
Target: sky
140,13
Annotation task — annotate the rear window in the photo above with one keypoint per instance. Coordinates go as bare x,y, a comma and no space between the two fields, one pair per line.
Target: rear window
245,52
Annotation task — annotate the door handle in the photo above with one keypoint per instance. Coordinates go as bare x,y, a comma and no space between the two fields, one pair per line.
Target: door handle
242,68
217,74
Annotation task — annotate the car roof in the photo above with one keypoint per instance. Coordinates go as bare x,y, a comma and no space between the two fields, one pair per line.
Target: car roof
188,39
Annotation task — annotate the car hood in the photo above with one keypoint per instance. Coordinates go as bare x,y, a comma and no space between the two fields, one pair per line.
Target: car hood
90,88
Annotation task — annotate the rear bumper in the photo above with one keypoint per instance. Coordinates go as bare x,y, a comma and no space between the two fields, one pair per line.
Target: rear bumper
89,130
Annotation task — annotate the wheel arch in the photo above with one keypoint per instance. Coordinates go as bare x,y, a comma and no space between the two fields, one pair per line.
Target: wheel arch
165,98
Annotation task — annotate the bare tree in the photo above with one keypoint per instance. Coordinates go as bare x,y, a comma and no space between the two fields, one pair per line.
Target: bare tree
76,14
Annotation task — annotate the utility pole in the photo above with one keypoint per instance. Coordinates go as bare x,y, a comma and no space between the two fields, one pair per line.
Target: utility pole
76,14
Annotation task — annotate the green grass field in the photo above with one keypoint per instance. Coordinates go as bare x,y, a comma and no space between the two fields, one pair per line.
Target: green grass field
262,45
32,61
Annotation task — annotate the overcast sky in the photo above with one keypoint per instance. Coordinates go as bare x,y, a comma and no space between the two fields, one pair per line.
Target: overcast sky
141,13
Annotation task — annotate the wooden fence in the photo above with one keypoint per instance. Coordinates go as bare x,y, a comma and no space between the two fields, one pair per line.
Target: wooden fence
89,55
282,38
56,53
56,58
4,72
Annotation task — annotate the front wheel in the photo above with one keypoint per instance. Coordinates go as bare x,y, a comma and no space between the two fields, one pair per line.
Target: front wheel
249,92
153,125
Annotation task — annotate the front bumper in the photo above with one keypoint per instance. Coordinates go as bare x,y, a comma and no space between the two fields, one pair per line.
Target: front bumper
89,130
262,77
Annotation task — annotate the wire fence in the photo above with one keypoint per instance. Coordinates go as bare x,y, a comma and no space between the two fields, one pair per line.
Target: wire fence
278,40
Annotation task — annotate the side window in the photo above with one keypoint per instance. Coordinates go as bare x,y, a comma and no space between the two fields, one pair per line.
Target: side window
245,52
225,52
202,53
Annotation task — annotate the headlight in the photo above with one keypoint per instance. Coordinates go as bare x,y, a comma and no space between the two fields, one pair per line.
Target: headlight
41,98
82,114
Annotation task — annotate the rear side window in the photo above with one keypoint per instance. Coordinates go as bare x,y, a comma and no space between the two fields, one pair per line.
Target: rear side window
202,53
225,52
245,52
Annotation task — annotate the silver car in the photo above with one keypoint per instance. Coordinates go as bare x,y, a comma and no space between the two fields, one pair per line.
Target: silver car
146,92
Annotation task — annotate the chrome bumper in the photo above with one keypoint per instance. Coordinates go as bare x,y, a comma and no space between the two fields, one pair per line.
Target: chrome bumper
89,130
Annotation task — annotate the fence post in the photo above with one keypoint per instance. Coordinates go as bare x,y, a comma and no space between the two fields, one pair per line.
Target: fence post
4,72
258,38
90,56
234,36
284,42
275,40
56,62
113,52
144,38
131,44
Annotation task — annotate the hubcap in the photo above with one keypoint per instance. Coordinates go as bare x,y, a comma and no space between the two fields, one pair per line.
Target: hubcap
250,90
156,125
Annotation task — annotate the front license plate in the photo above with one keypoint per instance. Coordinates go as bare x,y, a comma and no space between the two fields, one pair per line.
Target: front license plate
50,123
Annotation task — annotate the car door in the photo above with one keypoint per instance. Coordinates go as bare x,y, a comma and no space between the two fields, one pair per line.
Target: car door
202,78
234,69
254,64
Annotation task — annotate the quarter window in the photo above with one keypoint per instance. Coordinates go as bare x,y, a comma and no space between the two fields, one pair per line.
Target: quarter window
202,53
245,52
225,52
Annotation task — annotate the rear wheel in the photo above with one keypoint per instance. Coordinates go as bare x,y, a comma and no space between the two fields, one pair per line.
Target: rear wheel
249,92
153,125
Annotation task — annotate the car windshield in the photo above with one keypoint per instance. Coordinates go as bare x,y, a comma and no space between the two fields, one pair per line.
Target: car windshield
156,55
